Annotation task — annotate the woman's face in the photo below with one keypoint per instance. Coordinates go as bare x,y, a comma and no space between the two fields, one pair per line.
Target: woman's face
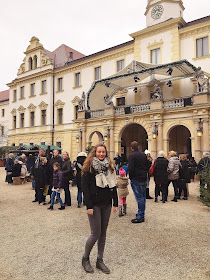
101,153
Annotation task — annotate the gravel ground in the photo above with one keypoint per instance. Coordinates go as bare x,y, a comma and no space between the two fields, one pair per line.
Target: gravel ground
173,243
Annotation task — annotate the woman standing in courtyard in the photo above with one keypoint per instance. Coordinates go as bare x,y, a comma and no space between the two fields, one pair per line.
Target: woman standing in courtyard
99,188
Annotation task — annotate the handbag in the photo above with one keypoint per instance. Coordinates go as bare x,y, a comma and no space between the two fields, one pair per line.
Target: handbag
152,169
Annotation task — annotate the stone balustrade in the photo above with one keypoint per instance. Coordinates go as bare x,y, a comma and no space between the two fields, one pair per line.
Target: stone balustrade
175,103
140,108
97,113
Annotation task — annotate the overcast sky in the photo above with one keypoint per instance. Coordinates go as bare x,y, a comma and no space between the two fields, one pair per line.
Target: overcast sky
88,26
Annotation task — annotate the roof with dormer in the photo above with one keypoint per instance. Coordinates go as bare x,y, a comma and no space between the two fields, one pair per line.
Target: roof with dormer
4,95
61,55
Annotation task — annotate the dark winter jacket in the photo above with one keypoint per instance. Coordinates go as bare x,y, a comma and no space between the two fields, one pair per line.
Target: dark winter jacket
16,170
192,166
138,166
57,179
9,164
204,162
52,161
67,169
79,164
43,177
96,196
161,174
184,171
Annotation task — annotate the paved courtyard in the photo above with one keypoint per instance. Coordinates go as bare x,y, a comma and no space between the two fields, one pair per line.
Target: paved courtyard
39,244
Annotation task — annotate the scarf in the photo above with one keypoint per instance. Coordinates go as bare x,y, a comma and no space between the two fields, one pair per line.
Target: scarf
104,177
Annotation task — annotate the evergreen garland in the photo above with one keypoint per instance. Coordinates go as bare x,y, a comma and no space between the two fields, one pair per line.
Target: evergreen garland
205,186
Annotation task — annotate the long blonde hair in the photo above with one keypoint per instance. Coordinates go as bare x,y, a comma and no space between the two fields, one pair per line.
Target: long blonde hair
88,162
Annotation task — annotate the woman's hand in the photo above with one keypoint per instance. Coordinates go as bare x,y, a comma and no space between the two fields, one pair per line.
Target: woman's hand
115,209
90,212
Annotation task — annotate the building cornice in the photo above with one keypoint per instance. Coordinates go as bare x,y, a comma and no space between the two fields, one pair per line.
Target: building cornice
194,29
35,76
158,28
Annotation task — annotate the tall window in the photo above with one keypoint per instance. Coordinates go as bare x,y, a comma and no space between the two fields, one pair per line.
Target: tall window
120,65
121,101
60,116
30,62
2,112
76,111
14,95
2,130
60,84
35,62
202,46
77,79
44,86
98,73
32,89
14,122
43,120
32,115
155,56
21,92
22,120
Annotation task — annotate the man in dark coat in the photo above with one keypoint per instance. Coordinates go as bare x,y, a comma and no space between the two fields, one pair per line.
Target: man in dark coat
203,163
9,167
138,167
67,176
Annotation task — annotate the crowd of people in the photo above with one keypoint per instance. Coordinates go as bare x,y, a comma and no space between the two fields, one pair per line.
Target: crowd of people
101,184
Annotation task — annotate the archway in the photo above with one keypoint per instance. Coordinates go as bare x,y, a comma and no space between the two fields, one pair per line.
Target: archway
95,138
180,140
133,132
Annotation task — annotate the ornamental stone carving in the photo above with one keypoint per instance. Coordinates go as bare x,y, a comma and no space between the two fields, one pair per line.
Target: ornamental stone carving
81,103
202,81
157,93
108,101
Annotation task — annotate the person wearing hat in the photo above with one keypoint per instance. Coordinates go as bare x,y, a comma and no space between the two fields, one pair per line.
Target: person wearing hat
147,153
79,164
122,185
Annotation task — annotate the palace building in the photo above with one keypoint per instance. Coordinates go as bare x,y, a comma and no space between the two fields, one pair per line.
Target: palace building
153,89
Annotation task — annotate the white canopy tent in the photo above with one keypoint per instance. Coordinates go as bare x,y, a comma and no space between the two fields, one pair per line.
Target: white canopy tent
135,75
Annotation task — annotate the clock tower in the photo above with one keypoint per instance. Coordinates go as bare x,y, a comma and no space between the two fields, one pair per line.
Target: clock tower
158,11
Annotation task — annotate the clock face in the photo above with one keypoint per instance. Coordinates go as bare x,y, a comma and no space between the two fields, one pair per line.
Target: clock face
157,12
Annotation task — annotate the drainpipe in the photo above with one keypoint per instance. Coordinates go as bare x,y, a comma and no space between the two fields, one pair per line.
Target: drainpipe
53,124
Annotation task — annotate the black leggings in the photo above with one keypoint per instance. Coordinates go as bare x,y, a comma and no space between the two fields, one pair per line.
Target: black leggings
98,226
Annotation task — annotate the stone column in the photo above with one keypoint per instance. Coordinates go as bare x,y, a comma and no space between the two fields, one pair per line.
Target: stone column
153,143
83,140
111,142
160,137
166,146
205,137
197,141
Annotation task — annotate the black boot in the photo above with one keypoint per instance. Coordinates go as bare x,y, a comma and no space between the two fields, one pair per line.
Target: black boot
147,194
124,209
174,199
87,266
120,211
100,265
50,208
62,207
156,199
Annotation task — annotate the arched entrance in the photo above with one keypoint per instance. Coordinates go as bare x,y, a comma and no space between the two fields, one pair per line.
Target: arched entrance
180,140
133,132
95,138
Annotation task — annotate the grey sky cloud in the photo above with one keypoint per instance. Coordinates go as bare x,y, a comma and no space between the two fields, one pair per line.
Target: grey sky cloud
87,26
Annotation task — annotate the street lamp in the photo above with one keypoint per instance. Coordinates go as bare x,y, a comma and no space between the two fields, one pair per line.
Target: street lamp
77,138
199,131
106,136
154,133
